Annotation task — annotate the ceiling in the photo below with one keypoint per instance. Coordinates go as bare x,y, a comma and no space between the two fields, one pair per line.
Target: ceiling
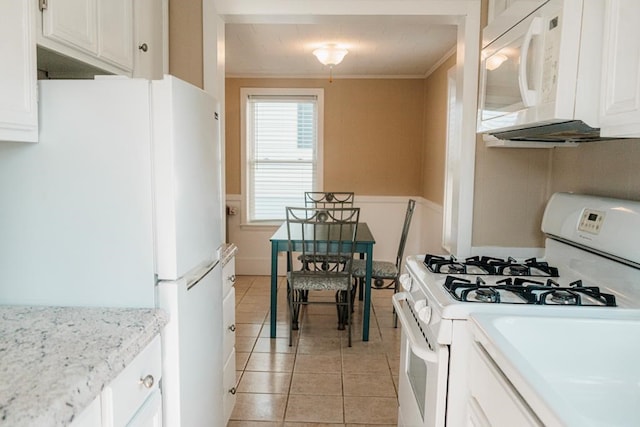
379,46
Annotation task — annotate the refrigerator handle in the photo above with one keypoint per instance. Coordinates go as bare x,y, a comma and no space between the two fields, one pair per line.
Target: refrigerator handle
196,278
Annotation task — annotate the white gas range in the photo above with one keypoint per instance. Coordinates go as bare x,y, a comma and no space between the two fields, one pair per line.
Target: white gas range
591,268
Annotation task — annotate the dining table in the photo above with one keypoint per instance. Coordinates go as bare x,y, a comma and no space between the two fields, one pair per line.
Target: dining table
363,246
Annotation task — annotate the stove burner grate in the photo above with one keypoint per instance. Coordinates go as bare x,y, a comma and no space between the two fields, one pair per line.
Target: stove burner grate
529,291
489,265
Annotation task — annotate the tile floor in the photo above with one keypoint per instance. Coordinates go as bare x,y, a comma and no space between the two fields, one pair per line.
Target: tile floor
319,380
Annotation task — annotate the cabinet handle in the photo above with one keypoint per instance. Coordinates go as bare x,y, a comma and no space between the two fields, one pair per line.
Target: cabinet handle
147,381
232,328
232,278
143,47
232,390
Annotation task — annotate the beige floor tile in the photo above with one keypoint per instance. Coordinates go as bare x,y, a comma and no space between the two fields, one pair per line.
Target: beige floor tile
378,385
254,424
245,344
309,363
259,407
324,409
318,364
316,384
248,329
274,345
270,362
265,382
241,360
365,363
370,410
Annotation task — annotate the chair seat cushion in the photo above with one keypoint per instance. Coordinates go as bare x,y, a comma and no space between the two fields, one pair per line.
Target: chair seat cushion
323,258
379,269
318,282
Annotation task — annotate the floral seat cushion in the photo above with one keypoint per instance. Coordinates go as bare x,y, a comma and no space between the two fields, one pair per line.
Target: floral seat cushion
379,269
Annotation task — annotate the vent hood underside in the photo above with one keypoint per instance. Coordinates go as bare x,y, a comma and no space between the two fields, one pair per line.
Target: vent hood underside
564,134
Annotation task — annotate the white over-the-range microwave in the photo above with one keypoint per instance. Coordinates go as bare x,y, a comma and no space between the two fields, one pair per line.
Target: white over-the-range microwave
540,77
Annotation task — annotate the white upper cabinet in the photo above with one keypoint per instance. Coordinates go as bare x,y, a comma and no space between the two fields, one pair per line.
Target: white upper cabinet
149,51
18,102
96,32
620,97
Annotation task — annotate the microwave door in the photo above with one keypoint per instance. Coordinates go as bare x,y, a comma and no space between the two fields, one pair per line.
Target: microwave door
509,68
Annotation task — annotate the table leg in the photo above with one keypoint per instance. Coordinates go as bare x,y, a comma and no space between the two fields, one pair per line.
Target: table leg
274,288
367,295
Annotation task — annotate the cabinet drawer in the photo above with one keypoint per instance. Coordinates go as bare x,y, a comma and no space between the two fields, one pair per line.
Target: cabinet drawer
229,323
122,398
229,382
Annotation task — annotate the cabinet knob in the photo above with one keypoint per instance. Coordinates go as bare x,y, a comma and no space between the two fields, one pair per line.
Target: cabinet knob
232,328
143,47
232,278
147,381
232,390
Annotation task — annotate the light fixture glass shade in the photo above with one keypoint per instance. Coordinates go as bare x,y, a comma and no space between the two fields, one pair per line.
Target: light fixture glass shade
330,55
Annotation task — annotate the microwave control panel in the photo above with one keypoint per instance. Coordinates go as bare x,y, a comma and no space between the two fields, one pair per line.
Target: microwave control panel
551,55
591,221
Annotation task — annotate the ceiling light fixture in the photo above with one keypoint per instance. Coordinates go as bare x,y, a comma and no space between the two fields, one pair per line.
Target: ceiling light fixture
330,55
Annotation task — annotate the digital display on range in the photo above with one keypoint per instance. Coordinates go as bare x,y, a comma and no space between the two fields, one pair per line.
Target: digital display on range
592,217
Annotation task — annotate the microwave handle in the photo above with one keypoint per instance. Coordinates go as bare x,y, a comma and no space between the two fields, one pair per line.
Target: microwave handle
528,95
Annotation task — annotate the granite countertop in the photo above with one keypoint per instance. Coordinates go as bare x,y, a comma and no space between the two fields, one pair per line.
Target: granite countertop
55,360
228,250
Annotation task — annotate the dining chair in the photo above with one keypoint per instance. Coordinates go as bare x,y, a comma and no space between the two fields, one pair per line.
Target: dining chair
328,199
321,233
386,270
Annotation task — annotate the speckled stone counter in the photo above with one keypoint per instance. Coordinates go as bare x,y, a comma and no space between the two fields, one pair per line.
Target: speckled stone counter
55,360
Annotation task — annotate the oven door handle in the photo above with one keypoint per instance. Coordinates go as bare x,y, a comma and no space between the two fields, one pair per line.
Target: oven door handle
418,344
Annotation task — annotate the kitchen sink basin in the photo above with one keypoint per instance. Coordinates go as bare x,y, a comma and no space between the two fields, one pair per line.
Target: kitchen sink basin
576,371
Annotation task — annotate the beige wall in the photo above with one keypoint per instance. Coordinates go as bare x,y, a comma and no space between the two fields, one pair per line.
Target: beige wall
185,40
435,132
372,136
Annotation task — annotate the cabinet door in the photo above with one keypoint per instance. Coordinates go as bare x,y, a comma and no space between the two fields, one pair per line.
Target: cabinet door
229,384
71,22
620,100
18,102
148,45
115,32
150,414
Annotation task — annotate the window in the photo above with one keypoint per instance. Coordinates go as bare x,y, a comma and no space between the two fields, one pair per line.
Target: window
282,148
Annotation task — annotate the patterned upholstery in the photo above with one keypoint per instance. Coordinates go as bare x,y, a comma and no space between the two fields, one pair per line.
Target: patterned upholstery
319,282
379,269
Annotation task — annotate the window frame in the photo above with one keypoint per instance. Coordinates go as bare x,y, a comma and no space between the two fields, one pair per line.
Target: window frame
247,92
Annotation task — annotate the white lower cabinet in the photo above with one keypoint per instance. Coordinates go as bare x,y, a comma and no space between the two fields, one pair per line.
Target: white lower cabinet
229,335
133,398
493,401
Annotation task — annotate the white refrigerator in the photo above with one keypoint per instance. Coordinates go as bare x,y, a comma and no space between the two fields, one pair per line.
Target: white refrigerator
120,205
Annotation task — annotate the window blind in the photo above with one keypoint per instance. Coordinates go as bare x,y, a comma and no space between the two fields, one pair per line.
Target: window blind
281,153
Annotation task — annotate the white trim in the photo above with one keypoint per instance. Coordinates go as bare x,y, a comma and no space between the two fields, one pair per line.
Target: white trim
326,76
441,61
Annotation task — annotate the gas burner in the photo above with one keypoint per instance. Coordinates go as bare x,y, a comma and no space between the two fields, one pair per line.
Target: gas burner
563,297
487,295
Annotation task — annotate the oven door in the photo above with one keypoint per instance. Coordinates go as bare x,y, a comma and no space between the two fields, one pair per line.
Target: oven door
424,365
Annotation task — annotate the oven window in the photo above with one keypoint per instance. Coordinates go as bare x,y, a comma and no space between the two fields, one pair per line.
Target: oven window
417,374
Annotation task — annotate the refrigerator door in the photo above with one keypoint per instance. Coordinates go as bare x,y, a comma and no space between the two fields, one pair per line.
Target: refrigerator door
187,177
76,208
191,352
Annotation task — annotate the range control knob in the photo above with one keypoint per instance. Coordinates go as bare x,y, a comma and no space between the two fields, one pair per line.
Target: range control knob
405,281
425,314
